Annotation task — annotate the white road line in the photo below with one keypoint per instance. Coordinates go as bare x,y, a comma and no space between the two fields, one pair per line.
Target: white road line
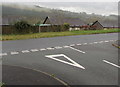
66,46
91,43
111,40
78,44
49,48
72,63
34,50
42,49
106,41
25,51
77,50
58,47
95,42
84,43
100,41
72,45
3,54
111,63
13,53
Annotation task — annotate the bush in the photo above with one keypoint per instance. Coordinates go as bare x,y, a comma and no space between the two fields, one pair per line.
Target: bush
22,27
65,27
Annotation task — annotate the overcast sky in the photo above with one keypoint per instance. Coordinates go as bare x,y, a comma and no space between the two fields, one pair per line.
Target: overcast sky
103,7
59,0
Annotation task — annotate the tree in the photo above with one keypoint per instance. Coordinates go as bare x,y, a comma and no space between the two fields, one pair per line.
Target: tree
22,27
65,27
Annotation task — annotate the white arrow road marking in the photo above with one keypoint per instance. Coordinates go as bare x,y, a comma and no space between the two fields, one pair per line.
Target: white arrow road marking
111,63
77,50
59,55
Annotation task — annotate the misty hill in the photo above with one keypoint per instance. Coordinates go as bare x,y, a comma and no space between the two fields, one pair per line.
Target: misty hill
33,14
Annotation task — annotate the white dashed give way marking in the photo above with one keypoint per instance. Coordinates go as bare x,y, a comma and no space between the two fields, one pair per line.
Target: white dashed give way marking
3,54
34,50
111,63
59,55
25,51
13,53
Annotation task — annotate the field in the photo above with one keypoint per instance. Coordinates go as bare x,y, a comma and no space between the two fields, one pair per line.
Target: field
56,34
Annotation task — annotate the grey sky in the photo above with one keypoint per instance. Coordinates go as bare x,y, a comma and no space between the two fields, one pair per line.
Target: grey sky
59,0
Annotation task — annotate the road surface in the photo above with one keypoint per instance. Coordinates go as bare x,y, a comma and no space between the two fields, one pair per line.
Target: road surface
74,60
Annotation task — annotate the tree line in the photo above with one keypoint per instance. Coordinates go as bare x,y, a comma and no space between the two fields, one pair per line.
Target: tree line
23,27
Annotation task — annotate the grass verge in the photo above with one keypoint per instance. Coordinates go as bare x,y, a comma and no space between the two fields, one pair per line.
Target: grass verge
56,34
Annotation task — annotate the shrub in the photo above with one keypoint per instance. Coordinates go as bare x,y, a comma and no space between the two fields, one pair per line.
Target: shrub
65,27
22,27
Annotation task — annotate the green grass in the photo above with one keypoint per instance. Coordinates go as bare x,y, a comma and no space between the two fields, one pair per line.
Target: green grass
56,34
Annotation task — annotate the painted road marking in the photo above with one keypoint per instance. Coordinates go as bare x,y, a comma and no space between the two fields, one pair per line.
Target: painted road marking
34,50
3,54
49,48
13,53
72,45
42,49
59,55
111,40
58,47
91,43
77,50
106,41
66,46
25,51
101,41
79,44
84,43
111,63
95,42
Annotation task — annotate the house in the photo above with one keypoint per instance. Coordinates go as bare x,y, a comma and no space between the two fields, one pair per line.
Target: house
95,26
75,23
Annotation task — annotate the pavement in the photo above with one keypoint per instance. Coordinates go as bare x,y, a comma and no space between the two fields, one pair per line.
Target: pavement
74,60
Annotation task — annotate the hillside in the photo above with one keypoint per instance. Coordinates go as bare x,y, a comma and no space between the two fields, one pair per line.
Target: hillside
33,14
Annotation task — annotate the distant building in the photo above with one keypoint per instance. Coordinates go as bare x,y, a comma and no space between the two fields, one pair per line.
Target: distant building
92,26
75,23
95,26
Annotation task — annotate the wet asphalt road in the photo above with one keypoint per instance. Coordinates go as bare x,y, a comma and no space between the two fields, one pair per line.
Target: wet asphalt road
93,52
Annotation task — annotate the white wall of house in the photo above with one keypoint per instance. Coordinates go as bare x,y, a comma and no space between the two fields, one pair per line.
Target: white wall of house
74,29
